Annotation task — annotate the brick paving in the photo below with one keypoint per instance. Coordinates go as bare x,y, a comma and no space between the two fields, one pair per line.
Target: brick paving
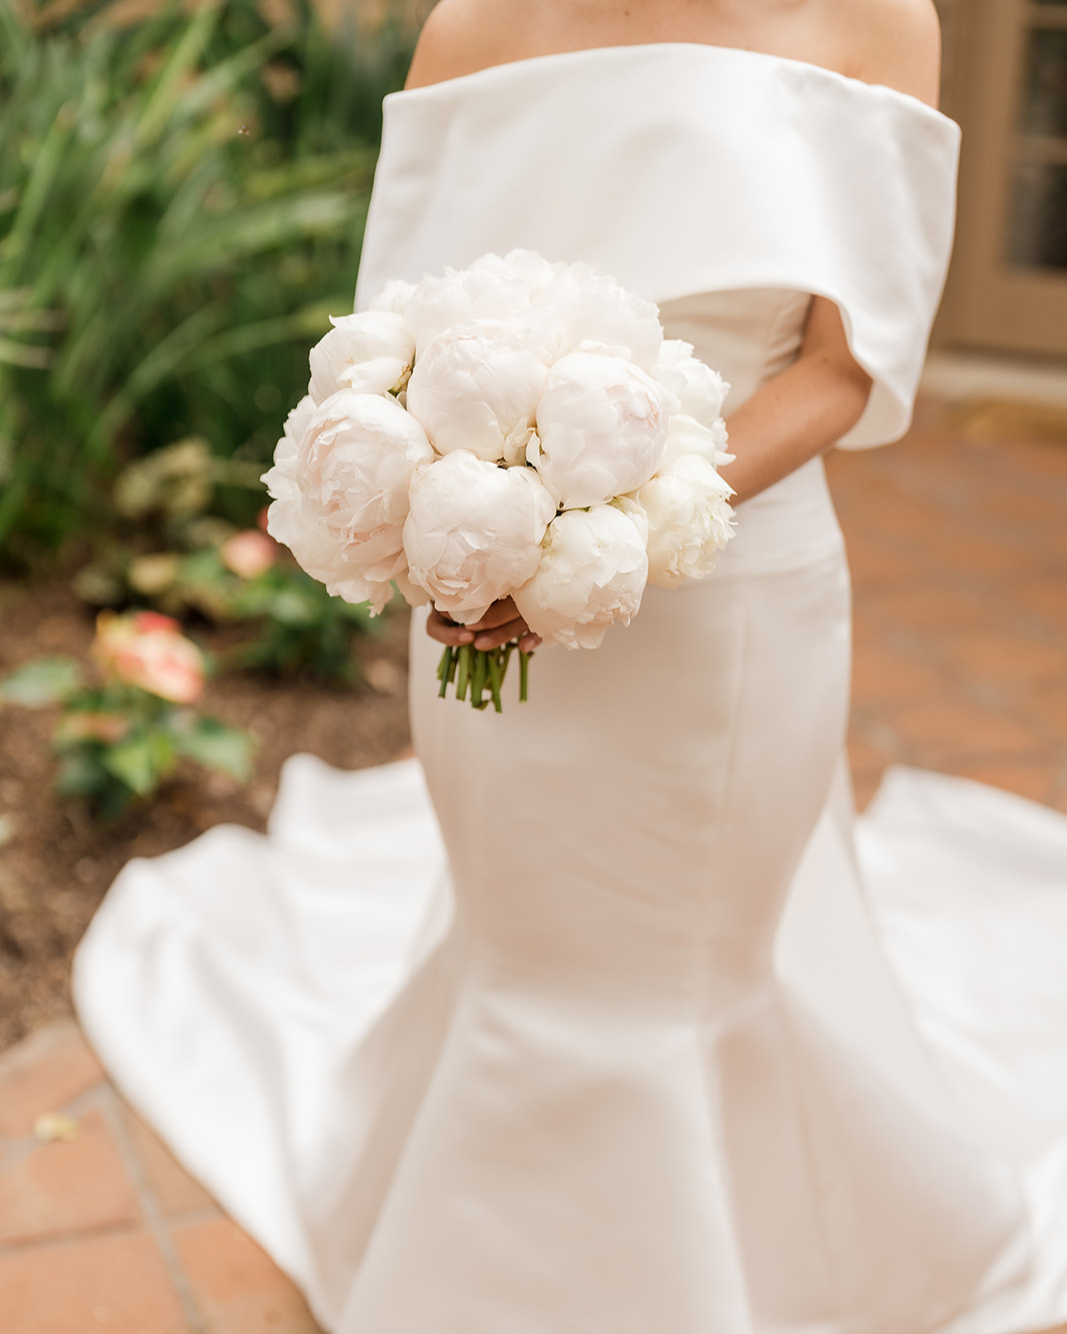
104,1230
958,541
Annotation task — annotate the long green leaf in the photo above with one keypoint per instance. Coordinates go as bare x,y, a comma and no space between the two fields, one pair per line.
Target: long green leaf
168,91
42,682
162,361
24,354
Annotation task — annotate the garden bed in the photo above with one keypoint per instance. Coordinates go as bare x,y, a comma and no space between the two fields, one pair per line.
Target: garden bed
56,862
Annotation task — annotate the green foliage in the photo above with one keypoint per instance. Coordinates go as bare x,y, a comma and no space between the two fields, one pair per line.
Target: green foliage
294,624
298,626
40,683
181,206
117,743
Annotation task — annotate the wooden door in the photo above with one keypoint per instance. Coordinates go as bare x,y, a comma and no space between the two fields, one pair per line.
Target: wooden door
1008,287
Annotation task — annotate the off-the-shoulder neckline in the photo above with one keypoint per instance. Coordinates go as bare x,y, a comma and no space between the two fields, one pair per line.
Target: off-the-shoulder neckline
496,73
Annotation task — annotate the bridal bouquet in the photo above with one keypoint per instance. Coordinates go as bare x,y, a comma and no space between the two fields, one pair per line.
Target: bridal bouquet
517,428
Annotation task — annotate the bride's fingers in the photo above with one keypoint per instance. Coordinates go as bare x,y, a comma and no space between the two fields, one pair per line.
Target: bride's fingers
500,634
447,632
500,613
500,624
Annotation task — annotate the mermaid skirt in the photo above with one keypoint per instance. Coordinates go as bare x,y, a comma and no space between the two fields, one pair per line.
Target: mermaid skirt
603,1017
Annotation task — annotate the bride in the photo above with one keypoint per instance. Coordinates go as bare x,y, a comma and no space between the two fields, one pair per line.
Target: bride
601,1017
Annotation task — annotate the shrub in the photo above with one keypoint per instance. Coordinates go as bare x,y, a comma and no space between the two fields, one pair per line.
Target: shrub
120,738
181,205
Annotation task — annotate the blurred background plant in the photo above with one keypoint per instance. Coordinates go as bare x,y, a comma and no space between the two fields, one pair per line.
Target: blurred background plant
120,738
168,551
182,198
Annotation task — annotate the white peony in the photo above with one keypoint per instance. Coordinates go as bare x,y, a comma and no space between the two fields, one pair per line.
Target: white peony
342,497
596,310
476,387
533,271
280,480
689,520
700,390
474,532
393,297
593,571
488,290
370,353
602,424
685,435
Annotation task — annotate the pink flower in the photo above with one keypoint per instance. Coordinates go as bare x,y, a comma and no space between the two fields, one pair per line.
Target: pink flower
249,554
149,651
146,622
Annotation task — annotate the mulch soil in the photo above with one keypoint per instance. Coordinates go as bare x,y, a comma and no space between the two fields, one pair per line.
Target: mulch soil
56,862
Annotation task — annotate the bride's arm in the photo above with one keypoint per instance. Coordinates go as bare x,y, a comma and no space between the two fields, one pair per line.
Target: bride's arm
801,412
806,409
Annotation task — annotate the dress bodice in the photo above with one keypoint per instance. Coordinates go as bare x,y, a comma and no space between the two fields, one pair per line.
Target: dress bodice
682,170
750,335
747,335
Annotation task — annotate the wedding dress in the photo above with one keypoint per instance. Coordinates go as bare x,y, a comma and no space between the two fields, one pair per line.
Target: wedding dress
601,1017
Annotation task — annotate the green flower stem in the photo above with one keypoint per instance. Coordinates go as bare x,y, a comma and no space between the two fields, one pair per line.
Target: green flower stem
479,671
478,685
444,670
463,676
493,660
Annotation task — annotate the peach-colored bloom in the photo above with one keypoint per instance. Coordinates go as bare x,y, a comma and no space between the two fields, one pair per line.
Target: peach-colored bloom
108,727
249,553
148,650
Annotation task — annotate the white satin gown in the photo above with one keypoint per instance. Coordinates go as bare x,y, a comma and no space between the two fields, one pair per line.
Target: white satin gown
602,1017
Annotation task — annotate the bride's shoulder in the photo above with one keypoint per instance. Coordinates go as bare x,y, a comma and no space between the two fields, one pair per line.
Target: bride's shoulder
892,42
459,37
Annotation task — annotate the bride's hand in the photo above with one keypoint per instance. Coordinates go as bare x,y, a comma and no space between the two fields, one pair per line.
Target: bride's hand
499,624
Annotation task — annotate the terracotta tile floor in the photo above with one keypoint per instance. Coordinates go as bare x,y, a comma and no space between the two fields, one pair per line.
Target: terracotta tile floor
958,540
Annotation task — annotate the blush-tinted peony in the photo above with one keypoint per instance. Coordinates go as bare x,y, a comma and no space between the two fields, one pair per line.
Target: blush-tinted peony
280,480
488,290
592,572
701,392
685,435
602,424
477,385
594,309
342,498
474,532
689,520
393,297
369,353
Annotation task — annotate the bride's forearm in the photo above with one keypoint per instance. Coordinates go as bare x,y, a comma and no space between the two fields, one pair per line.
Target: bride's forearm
801,412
